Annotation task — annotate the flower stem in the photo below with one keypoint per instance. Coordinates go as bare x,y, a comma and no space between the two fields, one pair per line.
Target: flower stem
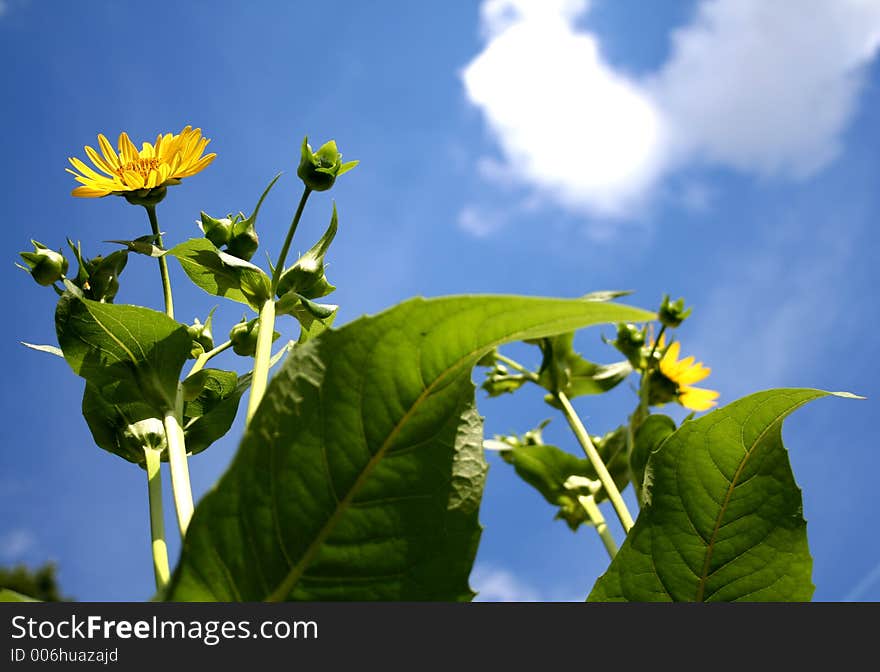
596,517
266,327
157,523
163,263
205,357
531,375
262,357
183,501
282,257
593,455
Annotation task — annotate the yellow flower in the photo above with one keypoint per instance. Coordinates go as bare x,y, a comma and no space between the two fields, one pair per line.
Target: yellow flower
164,163
684,374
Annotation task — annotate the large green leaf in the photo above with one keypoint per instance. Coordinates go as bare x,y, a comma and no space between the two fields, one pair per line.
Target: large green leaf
7,595
723,518
129,353
360,475
222,274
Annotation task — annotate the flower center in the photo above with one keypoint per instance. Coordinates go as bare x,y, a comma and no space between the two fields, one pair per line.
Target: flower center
142,166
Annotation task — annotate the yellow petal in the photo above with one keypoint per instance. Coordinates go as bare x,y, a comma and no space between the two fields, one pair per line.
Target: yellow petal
98,161
108,151
88,192
697,399
127,149
133,180
694,374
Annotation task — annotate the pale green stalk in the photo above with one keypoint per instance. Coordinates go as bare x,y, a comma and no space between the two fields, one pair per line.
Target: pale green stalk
266,325
180,485
157,523
205,357
598,520
605,478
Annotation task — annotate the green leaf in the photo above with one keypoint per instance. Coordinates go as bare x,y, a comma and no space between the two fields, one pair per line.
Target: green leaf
51,349
128,353
607,295
111,424
212,409
653,431
145,245
724,517
7,595
221,274
361,473
546,468
566,371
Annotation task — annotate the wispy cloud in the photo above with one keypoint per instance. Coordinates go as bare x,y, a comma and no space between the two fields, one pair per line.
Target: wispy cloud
494,584
765,88
758,313
862,588
16,543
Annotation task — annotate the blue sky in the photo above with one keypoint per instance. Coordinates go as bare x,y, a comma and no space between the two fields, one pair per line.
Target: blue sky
723,150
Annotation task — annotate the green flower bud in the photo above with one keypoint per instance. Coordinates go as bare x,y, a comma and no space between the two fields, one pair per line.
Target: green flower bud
201,334
673,313
629,341
319,170
244,241
306,277
244,337
103,276
45,266
218,231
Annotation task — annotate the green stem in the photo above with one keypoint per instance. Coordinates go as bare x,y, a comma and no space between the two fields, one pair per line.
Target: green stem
163,263
262,357
531,375
593,455
205,357
598,520
157,523
266,326
282,257
183,501
654,347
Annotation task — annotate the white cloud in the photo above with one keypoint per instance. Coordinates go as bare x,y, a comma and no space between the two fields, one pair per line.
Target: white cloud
767,87
499,585
480,222
15,543
761,87
566,122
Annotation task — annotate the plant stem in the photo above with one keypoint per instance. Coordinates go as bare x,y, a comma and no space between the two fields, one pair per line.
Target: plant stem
205,357
157,522
262,357
596,517
282,257
163,263
593,455
183,501
266,327
531,375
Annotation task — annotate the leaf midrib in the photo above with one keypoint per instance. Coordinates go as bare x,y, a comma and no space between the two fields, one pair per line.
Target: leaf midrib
704,575
291,579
